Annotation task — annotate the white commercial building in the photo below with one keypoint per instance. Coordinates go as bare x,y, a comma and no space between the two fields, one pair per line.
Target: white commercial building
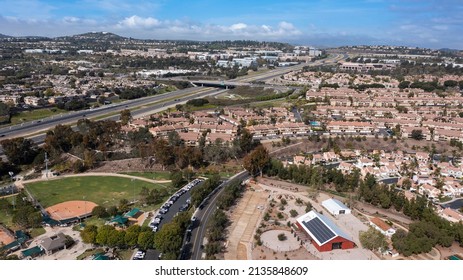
335,207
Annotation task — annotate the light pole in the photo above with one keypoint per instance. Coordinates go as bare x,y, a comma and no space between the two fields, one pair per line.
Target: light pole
133,187
46,165
85,207
14,197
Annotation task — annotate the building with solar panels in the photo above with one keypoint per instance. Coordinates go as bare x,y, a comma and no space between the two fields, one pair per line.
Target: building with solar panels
325,235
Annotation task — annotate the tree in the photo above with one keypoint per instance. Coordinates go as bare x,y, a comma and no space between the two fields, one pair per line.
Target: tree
126,116
163,153
373,239
293,213
177,179
417,134
103,234
245,141
282,237
124,205
131,235
27,216
112,210
169,238
308,207
88,234
256,161
174,138
4,113
100,212
116,238
20,150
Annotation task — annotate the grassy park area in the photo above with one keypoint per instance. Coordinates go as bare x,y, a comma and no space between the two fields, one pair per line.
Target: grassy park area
102,190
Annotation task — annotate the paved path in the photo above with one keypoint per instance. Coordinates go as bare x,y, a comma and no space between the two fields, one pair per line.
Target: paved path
21,183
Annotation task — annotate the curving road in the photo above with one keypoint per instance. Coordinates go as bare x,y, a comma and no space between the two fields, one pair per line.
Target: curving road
194,248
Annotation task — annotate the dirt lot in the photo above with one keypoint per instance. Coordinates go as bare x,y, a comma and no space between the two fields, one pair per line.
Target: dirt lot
127,165
266,210
5,238
455,249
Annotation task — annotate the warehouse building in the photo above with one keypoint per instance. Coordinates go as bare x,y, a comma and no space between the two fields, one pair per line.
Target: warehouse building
324,234
335,207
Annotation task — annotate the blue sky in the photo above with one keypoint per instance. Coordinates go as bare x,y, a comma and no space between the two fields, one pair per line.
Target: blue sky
423,23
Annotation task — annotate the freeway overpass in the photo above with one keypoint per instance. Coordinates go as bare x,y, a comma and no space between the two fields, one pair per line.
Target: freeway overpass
143,106
220,84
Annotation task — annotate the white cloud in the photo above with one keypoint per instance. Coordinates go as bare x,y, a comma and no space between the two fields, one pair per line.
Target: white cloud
138,22
194,30
238,26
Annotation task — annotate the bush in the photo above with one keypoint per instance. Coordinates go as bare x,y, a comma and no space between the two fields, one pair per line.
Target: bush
282,237
197,102
293,213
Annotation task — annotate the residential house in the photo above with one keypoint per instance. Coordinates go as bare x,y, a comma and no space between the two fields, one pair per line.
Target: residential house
451,215
382,226
429,191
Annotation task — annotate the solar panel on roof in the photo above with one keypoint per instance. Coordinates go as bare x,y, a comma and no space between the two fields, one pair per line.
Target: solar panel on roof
321,232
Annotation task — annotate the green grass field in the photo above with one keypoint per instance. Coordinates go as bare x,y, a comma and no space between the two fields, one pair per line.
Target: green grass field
102,190
37,232
158,175
35,115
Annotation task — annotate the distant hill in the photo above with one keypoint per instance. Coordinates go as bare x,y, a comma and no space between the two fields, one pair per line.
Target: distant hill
95,36
449,50
2,36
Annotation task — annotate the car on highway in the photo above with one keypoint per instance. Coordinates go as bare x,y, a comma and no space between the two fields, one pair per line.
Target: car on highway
163,210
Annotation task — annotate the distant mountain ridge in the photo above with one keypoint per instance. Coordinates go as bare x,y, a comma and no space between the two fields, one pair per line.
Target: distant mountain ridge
94,36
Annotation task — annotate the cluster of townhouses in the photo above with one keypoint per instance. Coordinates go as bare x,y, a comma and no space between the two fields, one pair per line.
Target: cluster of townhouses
270,123
372,111
433,179
55,89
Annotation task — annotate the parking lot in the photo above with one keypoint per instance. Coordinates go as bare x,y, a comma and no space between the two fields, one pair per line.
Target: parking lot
178,202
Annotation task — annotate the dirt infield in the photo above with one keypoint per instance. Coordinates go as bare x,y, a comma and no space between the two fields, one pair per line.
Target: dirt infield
70,209
5,238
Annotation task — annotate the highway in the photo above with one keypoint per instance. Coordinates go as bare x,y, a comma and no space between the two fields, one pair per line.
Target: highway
141,106
163,100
